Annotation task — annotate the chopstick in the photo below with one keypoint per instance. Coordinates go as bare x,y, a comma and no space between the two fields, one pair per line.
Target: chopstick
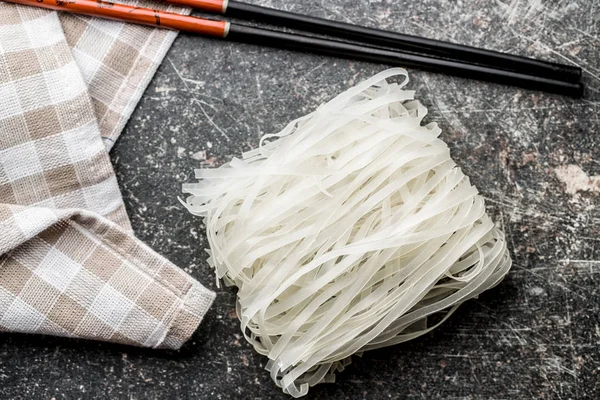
278,39
246,34
394,40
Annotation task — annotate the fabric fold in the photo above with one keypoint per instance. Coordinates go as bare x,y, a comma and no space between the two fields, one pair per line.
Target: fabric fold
69,263
117,61
85,276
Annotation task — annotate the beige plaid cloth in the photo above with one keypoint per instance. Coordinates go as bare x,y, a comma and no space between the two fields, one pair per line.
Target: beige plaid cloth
69,263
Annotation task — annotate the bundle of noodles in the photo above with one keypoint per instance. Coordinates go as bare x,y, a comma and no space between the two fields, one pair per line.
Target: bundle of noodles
352,229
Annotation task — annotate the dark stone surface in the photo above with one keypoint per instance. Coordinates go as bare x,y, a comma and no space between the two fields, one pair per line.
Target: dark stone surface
536,335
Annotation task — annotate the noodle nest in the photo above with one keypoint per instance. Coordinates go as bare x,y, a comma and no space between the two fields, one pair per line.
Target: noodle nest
352,229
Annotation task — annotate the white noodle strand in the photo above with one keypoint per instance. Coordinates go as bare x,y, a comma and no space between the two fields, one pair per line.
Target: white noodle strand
352,229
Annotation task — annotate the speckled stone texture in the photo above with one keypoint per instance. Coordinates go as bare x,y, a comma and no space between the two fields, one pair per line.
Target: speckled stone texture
534,157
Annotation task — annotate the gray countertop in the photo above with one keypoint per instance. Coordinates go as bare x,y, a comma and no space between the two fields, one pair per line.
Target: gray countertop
534,156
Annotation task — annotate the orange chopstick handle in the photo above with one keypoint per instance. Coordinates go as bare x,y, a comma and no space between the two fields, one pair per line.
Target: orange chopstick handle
137,15
215,6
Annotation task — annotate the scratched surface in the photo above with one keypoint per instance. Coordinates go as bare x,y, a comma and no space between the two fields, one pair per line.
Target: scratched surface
535,158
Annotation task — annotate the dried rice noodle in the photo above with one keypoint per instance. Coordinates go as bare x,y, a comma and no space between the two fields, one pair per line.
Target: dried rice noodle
351,229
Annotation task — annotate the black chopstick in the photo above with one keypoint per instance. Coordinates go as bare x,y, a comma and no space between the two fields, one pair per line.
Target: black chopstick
399,41
271,38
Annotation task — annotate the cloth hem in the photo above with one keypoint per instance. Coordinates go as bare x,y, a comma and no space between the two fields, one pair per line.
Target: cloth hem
188,317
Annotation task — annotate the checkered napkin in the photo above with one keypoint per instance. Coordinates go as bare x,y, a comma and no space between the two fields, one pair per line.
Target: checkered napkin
69,263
